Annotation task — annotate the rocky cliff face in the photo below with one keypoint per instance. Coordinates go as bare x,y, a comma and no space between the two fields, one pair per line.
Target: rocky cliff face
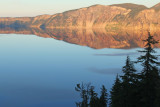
118,16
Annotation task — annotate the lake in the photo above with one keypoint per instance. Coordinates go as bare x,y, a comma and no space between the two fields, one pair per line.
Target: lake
40,68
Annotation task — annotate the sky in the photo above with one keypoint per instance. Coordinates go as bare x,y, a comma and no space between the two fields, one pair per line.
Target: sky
20,8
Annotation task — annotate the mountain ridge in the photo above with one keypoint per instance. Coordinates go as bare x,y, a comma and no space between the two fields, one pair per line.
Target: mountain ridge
156,7
116,16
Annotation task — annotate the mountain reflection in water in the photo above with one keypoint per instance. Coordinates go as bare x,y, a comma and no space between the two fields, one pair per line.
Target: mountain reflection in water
94,38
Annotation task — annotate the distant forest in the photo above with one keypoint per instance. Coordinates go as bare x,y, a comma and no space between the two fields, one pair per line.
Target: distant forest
132,89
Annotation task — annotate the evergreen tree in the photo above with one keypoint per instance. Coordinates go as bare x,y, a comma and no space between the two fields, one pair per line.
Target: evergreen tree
90,97
129,80
94,100
116,94
157,101
83,89
133,89
129,72
104,97
150,74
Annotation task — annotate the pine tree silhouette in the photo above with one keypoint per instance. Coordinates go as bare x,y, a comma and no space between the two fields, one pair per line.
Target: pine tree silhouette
116,94
94,100
103,97
150,74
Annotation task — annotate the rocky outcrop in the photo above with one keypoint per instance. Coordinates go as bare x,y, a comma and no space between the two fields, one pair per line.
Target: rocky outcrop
118,16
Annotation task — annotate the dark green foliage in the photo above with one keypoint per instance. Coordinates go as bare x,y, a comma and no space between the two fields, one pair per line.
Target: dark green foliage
133,89
150,74
90,97
139,89
83,89
128,84
103,97
123,93
116,94
129,71
94,100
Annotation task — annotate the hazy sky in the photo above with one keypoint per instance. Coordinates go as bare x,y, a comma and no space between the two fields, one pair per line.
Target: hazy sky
17,8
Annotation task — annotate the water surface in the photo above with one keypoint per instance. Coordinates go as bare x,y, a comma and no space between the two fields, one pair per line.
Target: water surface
42,72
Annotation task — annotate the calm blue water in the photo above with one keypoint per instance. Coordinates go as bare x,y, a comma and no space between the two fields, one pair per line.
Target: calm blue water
42,72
